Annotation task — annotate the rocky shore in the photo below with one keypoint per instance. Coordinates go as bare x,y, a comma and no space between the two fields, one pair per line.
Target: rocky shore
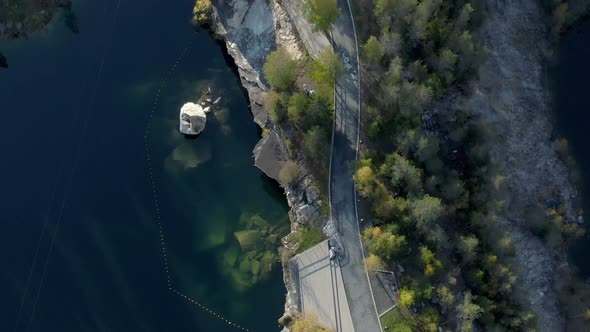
251,29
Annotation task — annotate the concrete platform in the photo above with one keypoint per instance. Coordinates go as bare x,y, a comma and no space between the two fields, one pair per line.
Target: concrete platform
320,288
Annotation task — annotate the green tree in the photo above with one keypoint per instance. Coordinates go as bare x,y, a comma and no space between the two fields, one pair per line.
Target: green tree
403,174
279,69
373,50
467,247
445,296
468,312
296,108
447,60
414,97
425,211
321,13
390,208
428,320
395,9
316,145
318,112
276,106
327,68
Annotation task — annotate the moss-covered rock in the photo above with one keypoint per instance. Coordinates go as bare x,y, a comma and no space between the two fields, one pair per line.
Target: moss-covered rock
248,239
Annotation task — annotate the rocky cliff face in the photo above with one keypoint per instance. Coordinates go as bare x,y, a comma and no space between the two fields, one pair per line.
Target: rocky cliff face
252,29
510,98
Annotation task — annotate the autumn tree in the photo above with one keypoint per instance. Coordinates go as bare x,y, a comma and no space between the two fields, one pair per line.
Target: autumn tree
374,263
407,297
364,178
384,243
429,261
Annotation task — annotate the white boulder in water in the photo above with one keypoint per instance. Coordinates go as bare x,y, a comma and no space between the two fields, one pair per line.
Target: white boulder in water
192,119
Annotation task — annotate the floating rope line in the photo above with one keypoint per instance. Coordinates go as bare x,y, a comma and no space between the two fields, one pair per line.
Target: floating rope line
157,201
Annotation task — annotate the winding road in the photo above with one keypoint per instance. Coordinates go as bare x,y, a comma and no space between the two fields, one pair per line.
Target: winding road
342,193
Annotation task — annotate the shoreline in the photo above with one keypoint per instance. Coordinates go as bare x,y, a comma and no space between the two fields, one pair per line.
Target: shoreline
259,26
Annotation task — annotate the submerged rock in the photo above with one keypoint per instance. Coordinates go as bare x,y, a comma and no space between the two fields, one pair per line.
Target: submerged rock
192,119
187,156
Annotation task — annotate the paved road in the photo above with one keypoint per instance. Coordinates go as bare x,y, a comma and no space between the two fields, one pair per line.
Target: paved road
344,150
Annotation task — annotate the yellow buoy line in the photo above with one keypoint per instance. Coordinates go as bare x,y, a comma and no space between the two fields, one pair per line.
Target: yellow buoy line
156,201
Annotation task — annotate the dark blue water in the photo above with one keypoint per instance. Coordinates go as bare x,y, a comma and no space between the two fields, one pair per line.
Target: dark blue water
80,241
571,103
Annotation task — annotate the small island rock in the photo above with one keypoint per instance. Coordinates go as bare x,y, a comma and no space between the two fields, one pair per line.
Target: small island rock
192,119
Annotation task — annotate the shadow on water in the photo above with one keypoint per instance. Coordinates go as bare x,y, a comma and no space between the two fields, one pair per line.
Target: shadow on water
568,81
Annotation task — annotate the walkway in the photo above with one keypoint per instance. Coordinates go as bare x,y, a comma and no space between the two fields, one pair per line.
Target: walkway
321,288
342,194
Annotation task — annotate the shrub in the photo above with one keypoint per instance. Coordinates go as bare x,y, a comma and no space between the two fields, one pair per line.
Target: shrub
307,237
280,70
289,172
306,323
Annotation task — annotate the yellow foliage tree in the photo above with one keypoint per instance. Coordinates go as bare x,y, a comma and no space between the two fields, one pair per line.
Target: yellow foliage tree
407,297
307,323
374,263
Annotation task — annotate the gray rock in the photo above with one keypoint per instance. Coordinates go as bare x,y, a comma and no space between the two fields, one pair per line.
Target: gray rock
311,194
308,213
269,156
192,119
